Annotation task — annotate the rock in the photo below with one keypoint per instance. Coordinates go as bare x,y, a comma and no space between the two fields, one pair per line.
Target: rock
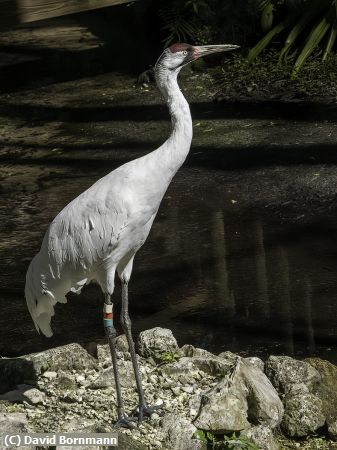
34,396
245,392
261,436
67,357
103,351
332,429
178,434
80,379
303,414
15,396
189,366
187,389
257,362
103,354
24,392
14,423
106,378
288,374
326,390
189,350
175,390
224,408
229,356
184,365
49,375
71,397
264,405
14,371
215,366
82,425
65,382
78,447
122,344
155,342
128,442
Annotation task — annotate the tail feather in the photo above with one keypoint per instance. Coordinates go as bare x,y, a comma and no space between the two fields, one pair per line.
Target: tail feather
43,290
40,300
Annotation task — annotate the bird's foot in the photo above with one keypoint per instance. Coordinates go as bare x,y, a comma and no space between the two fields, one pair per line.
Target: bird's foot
125,421
143,411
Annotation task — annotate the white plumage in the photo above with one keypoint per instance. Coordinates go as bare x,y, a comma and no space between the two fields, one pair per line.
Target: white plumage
100,231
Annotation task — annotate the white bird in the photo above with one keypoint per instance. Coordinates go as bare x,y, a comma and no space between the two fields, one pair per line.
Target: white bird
100,231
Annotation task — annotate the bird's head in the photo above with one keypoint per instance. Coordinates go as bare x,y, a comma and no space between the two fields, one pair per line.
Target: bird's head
178,55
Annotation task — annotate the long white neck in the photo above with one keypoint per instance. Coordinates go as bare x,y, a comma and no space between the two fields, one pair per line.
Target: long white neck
173,152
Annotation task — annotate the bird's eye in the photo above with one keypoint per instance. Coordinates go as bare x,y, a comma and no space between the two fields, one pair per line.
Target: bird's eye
184,52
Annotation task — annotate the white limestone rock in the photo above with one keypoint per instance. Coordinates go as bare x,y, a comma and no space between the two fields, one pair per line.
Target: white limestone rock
155,342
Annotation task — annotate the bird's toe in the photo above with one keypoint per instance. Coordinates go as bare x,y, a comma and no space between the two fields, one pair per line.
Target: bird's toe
144,412
126,422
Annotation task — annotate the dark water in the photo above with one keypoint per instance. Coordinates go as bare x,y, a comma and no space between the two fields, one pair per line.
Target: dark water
243,253
242,260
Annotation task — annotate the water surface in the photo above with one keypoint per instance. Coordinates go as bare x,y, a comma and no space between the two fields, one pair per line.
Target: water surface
242,260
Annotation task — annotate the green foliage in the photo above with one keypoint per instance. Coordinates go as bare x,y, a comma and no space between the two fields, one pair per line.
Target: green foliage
234,441
205,436
309,24
265,76
201,435
168,357
239,442
237,70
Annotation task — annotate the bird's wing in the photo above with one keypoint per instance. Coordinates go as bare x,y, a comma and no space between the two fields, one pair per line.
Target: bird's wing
84,233
86,230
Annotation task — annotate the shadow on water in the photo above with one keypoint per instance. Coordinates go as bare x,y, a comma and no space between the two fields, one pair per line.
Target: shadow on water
226,268
221,157
304,112
242,260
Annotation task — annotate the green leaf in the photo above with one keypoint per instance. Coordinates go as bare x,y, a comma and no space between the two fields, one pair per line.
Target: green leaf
262,44
331,41
295,32
201,435
267,17
313,40
210,436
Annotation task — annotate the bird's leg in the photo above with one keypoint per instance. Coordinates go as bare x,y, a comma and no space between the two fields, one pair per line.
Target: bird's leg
110,331
143,409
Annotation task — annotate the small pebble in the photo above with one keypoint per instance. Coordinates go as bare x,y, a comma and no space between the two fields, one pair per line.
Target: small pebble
193,412
49,375
80,378
175,390
187,389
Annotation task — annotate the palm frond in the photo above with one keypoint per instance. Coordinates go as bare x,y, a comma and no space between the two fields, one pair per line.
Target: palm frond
296,31
262,44
331,41
313,40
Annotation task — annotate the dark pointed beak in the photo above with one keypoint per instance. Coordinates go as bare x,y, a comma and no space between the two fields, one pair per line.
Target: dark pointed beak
204,50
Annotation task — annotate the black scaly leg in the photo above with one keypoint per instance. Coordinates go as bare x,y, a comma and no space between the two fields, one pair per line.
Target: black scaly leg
110,331
143,409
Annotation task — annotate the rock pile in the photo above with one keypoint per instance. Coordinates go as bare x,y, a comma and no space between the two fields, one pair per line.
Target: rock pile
67,389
